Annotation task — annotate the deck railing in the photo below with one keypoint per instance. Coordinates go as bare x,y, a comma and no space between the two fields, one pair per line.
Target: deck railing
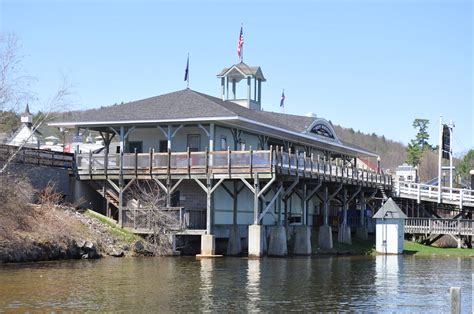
34,156
439,226
222,162
418,191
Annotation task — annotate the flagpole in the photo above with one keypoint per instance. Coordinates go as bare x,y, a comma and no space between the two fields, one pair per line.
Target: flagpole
242,52
188,72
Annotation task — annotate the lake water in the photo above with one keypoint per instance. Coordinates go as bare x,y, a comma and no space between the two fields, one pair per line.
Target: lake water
183,284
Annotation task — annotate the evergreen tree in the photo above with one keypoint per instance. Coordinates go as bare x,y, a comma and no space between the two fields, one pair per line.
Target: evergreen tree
418,145
414,153
466,164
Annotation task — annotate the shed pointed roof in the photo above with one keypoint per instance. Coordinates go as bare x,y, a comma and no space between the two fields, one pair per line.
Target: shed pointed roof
390,210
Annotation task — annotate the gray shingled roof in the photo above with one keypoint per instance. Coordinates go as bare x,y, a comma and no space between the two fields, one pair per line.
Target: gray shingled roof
390,210
186,104
245,69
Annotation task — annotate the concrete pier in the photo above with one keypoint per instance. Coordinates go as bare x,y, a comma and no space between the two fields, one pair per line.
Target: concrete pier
208,245
302,241
325,237
256,241
234,246
344,234
278,245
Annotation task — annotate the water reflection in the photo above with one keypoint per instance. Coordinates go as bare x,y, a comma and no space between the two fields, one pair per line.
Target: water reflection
386,278
206,272
252,288
360,284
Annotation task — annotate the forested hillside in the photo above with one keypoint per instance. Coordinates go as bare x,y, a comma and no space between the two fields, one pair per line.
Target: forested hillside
392,153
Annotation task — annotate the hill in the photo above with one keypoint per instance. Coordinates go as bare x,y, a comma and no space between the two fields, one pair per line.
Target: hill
392,153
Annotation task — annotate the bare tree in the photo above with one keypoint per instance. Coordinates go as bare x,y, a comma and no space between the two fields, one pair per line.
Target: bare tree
146,209
53,105
14,85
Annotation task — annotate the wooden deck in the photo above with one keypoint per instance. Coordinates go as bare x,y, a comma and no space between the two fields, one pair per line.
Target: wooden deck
439,226
222,164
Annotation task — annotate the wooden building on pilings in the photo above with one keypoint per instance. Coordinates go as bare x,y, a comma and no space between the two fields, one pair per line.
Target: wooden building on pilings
224,164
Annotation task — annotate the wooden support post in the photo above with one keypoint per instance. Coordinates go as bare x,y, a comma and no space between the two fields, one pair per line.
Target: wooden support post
271,159
90,164
235,197
106,163
188,154
209,206
152,152
256,186
326,206
362,208
229,162
280,185
304,204
344,207
251,160
136,163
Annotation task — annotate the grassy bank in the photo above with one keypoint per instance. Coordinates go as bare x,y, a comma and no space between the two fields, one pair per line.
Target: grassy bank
123,234
367,247
425,250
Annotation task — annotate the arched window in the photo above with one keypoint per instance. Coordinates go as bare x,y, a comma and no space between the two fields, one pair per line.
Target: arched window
323,130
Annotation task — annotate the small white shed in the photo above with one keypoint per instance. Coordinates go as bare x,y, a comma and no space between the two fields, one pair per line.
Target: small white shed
389,228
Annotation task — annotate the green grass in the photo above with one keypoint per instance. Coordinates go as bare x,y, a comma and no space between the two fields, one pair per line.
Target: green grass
114,228
367,247
424,250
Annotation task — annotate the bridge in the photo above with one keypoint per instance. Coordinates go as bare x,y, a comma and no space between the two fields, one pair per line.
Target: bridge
430,193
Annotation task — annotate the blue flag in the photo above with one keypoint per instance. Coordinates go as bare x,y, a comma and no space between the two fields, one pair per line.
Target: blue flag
186,72
282,101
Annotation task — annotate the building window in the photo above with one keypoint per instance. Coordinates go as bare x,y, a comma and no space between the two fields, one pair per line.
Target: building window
194,142
135,145
163,146
243,145
223,142
323,130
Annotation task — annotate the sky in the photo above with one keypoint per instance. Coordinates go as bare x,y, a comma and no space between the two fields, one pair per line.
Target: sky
373,65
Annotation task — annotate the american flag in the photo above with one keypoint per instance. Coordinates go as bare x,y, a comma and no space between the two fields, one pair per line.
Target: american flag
240,44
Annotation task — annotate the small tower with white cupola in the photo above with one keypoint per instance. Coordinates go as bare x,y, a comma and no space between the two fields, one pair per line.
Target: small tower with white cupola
240,74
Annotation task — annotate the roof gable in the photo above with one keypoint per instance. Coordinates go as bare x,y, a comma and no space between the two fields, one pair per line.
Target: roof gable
390,210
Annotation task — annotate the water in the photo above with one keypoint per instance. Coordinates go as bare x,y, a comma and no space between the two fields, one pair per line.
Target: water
178,284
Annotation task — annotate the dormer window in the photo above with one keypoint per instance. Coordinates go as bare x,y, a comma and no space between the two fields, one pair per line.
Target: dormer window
323,130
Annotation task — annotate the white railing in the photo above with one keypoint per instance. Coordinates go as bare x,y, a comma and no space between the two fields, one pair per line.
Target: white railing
439,226
418,191
251,161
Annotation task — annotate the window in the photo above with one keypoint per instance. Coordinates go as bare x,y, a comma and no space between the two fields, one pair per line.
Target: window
323,130
194,142
163,146
223,142
138,146
243,145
